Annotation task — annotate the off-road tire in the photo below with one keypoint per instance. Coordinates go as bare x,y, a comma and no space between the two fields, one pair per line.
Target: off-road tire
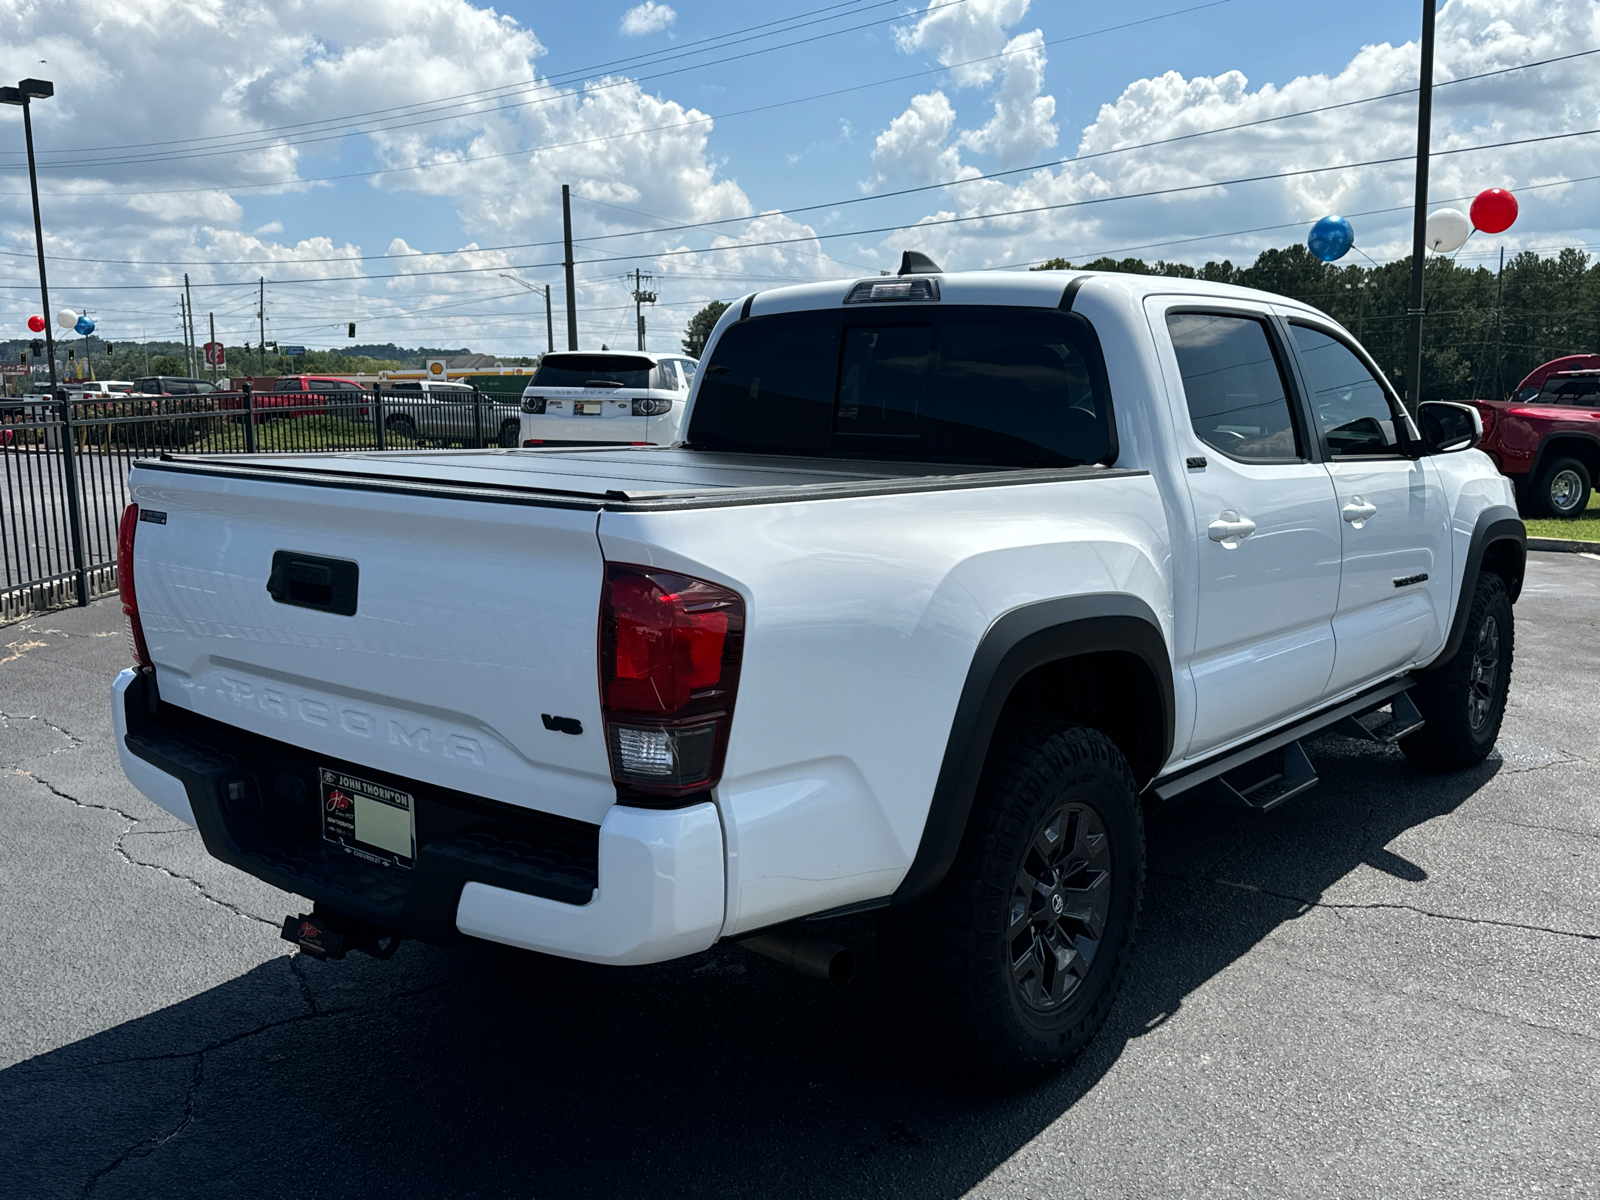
963,945
1463,701
510,434
1563,489
402,426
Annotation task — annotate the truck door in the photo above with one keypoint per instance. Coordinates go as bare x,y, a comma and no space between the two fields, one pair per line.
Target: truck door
1394,589
1264,521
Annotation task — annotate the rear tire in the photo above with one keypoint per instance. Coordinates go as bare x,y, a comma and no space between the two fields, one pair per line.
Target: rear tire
510,434
1025,944
1463,701
1562,489
402,426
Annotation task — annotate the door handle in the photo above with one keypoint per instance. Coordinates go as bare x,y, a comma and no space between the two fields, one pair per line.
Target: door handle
1358,511
1230,528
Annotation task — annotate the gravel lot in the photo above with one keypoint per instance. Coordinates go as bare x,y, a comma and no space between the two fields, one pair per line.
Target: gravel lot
1386,988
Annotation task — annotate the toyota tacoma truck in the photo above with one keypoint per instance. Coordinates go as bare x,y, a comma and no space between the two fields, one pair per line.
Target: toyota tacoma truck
951,582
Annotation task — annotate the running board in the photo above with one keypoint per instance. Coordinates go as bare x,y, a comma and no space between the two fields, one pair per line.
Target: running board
1295,774
1402,720
1174,785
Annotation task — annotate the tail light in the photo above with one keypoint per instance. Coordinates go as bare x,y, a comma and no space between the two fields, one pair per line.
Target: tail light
670,647
647,406
130,599
533,404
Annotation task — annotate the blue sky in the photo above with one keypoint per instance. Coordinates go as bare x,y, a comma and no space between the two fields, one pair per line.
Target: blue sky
940,92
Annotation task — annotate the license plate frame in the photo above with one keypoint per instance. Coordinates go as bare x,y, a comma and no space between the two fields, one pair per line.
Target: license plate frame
590,408
370,820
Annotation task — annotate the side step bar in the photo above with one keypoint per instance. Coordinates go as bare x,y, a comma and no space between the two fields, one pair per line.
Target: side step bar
1241,770
1295,775
1404,721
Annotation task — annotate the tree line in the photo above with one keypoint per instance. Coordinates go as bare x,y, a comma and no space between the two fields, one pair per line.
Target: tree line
1484,329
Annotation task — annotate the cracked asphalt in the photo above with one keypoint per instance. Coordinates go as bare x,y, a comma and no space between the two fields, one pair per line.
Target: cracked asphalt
1386,988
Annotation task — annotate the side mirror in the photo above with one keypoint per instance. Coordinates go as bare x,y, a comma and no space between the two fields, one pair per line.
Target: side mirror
1448,428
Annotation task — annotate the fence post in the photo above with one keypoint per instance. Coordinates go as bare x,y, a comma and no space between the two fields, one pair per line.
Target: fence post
69,468
249,419
377,414
477,419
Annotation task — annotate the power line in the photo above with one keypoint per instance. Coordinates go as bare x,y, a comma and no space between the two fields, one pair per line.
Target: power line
456,162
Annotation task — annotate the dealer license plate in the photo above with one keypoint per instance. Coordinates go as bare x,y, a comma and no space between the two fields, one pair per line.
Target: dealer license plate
590,408
369,820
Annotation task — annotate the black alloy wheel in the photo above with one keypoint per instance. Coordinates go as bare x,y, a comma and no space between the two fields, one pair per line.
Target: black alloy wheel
1021,951
1060,900
1463,700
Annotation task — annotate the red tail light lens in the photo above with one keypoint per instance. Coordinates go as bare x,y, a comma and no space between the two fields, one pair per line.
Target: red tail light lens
130,599
670,647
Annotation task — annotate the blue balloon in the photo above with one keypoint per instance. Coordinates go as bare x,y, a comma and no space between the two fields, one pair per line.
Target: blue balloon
84,326
1331,238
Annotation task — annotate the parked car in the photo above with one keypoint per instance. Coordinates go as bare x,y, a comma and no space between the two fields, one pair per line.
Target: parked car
607,396
1530,386
952,582
91,389
441,411
1548,442
173,385
315,395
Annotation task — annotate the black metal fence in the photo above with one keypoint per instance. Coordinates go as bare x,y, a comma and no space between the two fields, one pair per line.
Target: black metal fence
64,463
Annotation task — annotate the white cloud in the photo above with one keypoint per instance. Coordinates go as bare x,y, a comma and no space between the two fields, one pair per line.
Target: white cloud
1474,36
1021,126
913,149
648,17
958,31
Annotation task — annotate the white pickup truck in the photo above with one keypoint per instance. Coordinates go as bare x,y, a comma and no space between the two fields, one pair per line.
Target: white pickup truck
954,579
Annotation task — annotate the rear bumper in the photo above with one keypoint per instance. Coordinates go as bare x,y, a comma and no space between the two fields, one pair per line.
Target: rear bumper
643,886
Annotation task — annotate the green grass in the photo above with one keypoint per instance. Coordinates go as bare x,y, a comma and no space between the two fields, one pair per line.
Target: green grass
1583,528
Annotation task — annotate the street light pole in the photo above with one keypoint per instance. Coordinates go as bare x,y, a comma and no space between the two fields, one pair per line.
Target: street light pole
1419,224
549,319
29,90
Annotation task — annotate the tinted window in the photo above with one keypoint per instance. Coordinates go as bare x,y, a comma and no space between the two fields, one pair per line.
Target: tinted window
585,370
1014,387
1234,386
290,384
1580,392
1352,407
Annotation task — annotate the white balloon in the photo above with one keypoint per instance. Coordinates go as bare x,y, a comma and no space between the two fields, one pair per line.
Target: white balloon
1447,230
66,318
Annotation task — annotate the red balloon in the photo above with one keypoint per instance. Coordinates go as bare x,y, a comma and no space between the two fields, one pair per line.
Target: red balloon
36,324
1494,210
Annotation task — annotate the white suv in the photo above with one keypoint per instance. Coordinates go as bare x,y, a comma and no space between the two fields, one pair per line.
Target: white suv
588,397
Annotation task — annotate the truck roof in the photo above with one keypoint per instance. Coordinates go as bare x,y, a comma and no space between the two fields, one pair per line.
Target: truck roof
1041,289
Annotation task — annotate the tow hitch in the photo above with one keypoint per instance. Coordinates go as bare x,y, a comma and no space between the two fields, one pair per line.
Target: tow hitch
327,936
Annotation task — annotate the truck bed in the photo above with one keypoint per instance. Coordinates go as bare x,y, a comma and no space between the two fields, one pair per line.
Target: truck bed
646,478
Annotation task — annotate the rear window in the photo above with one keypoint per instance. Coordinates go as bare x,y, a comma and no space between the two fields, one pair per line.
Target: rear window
1580,392
592,370
1008,387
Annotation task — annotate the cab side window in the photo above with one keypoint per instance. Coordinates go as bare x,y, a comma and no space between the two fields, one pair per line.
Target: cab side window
1353,409
1234,385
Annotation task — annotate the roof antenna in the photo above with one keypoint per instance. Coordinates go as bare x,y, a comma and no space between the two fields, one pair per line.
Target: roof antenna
914,262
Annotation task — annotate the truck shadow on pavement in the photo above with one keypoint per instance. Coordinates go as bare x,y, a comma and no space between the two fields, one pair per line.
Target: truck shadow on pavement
478,1071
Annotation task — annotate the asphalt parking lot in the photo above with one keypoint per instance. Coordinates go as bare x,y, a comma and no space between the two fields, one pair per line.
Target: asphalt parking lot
1388,987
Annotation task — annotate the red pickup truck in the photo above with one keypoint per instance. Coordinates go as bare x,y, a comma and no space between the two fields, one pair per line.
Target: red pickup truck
1546,438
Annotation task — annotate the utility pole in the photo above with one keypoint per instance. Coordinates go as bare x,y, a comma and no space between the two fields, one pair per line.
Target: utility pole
213,318
641,298
1499,323
188,330
1419,223
572,297
261,314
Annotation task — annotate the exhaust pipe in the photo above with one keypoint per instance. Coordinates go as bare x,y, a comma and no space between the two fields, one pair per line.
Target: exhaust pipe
806,954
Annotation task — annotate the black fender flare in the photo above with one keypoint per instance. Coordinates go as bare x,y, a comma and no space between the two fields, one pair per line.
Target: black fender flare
1018,642
1560,435
1498,523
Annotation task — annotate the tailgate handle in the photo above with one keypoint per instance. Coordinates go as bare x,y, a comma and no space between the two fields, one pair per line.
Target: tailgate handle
309,581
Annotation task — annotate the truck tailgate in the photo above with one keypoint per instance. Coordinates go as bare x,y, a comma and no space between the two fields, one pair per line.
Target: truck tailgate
472,622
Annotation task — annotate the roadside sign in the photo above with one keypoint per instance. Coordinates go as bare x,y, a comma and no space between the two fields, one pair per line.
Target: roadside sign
216,354
13,368
292,351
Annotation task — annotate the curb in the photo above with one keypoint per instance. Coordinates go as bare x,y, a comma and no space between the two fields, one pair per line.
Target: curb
1563,546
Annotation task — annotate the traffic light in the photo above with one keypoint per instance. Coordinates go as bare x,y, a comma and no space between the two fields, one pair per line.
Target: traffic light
71,353
352,332
110,350
37,346
22,358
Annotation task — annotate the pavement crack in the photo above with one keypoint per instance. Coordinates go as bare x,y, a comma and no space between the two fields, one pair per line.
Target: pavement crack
155,1141
306,993
1412,908
7,718
119,849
